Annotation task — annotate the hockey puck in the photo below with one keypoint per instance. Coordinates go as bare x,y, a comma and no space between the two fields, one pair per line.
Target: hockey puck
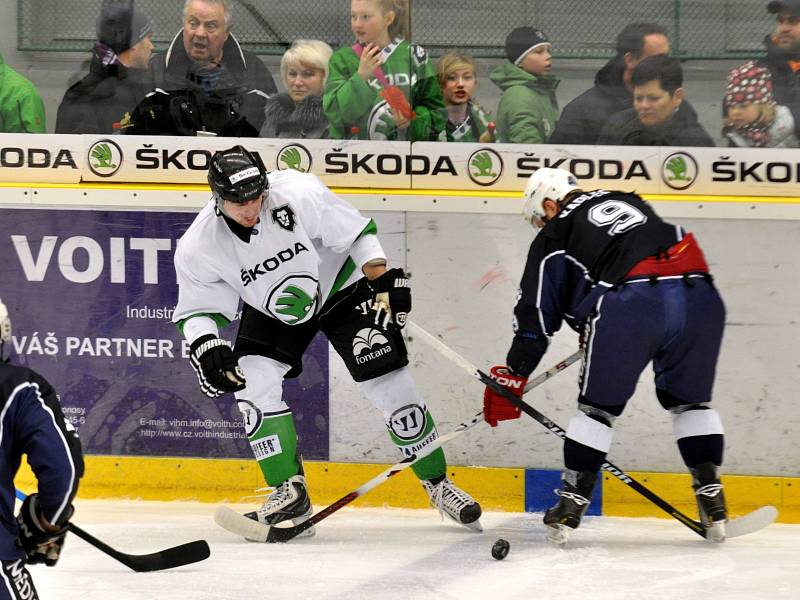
500,549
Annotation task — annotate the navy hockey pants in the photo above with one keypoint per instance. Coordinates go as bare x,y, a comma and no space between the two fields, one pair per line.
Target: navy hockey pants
675,323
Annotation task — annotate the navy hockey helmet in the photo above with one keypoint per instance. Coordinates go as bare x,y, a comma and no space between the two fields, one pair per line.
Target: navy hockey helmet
237,175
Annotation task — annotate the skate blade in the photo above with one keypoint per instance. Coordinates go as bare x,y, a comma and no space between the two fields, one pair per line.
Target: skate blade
558,534
474,526
715,532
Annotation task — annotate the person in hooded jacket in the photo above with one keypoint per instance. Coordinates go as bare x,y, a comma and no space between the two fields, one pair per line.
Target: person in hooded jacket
659,116
117,81
528,108
783,57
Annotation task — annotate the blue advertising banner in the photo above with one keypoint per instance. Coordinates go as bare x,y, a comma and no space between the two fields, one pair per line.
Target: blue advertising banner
91,294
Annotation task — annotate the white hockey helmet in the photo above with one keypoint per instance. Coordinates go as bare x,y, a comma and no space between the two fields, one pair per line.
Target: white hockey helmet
5,328
546,184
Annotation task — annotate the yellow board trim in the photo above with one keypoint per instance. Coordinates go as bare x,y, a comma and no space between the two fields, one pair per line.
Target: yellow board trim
226,480
514,195
743,494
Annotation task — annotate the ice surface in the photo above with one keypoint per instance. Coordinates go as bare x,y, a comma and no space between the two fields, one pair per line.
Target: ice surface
409,554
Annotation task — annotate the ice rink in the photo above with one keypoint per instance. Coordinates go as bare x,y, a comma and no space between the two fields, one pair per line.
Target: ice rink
409,554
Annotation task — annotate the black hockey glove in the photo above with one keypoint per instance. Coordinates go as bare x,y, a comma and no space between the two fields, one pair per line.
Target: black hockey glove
217,369
392,300
527,349
39,544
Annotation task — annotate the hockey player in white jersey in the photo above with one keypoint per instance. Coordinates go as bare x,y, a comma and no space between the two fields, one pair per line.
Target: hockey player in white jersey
302,260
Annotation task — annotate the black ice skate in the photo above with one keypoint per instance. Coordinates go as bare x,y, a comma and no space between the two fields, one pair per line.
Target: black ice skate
710,500
454,502
574,500
288,502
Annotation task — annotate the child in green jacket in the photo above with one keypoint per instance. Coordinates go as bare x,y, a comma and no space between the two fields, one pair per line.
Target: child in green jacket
382,88
528,109
466,121
21,106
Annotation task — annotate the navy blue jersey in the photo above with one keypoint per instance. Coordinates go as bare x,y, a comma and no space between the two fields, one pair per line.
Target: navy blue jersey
590,246
32,423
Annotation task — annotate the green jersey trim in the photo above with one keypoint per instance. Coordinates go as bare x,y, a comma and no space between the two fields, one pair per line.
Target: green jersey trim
220,320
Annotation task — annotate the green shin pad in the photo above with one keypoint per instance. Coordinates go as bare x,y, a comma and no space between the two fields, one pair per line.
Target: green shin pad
274,445
412,430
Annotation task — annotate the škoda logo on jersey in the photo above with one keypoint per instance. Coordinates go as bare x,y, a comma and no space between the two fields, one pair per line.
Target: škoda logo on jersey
273,262
370,344
294,299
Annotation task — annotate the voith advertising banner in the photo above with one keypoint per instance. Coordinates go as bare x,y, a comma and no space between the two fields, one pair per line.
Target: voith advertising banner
91,295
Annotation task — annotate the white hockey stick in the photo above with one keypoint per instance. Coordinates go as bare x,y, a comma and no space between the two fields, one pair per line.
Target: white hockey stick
749,523
237,523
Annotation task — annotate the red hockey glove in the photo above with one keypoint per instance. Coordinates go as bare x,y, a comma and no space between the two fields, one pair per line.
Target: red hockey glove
497,407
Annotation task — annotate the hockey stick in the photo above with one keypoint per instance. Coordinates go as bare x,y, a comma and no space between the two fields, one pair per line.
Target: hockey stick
177,556
234,522
748,523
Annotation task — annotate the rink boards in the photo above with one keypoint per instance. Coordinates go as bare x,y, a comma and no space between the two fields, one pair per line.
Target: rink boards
464,251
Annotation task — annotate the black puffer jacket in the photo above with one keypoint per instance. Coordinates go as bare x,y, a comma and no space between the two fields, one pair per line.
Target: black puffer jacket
785,82
583,118
226,100
285,119
683,129
99,102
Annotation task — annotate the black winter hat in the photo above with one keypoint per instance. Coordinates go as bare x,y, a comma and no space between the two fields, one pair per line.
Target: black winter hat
784,6
121,25
521,41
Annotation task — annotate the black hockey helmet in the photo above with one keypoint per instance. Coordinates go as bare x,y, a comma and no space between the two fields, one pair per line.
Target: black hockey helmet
237,175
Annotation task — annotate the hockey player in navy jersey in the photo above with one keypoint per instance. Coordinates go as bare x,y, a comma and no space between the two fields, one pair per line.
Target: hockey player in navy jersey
32,424
638,290
302,260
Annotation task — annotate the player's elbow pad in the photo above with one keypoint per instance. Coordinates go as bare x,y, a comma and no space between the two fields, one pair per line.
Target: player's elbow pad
526,351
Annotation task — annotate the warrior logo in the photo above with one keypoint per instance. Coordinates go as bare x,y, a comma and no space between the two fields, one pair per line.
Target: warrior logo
679,170
284,217
370,344
105,158
252,416
485,166
293,300
294,156
408,422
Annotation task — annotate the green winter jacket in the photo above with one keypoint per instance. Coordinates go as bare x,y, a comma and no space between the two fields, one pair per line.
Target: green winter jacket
528,109
351,102
21,106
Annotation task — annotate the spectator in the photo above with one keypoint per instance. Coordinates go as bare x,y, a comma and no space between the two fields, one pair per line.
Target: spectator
21,106
528,109
584,117
466,120
783,56
102,101
298,113
659,116
383,87
205,83
752,117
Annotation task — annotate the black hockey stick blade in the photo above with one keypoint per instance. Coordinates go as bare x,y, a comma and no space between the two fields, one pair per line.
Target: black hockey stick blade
177,556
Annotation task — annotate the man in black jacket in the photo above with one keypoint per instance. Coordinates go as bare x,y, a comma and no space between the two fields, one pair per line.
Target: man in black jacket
102,101
783,56
660,115
584,117
205,83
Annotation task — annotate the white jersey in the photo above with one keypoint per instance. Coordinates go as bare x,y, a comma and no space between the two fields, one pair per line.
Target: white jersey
308,244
